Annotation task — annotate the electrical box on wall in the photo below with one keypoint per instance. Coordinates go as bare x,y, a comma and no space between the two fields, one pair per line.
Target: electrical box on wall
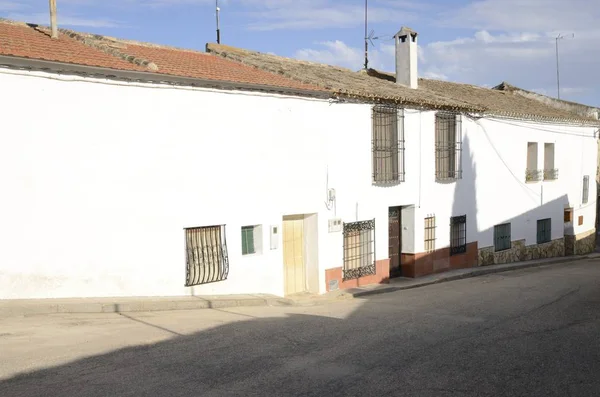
274,237
335,225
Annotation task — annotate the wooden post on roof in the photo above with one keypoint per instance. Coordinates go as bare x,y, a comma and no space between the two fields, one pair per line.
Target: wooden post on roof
53,24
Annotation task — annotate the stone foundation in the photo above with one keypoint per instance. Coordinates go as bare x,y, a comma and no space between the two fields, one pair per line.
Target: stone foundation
521,252
581,244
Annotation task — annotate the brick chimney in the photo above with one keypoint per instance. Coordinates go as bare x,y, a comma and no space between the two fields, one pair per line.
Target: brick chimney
406,57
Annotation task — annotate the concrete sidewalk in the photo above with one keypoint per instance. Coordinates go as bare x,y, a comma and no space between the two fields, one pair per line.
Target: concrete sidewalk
26,307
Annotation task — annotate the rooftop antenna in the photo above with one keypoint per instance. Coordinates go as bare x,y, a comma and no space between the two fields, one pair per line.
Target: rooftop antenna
369,37
53,24
218,29
559,37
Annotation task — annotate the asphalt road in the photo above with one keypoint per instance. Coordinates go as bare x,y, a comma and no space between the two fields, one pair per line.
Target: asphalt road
533,332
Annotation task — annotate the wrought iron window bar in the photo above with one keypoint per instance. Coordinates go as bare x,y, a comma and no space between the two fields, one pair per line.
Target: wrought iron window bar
359,249
458,235
533,175
551,174
388,144
448,147
206,255
430,233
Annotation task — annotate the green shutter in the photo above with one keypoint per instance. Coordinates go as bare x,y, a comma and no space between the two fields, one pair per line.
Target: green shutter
247,240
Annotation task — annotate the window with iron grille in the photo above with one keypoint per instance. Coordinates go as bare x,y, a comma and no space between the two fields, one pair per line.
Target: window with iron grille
448,146
550,173
388,144
430,234
458,235
206,255
532,173
586,189
251,240
359,249
502,237
544,229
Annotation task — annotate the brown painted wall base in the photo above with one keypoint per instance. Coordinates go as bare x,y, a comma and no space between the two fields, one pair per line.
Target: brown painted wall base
438,261
381,276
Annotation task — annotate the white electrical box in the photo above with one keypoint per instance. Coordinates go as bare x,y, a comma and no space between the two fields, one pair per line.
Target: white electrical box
274,237
335,225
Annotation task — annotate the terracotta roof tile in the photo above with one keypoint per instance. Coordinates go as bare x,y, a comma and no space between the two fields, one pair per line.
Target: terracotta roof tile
30,41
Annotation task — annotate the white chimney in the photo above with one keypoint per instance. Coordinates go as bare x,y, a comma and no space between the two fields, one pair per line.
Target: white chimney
406,57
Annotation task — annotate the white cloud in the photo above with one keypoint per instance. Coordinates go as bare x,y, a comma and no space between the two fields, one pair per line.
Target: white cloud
64,20
340,54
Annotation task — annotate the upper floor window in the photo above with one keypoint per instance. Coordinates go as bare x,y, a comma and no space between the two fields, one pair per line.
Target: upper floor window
448,146
550,173
532,173
586,189
388,144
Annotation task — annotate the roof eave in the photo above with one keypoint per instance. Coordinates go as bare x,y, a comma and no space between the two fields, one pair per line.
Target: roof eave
149,77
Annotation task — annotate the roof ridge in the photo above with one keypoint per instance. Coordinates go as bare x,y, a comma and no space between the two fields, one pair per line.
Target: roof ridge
99,43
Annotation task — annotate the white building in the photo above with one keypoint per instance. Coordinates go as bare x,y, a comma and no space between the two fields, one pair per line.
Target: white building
136,170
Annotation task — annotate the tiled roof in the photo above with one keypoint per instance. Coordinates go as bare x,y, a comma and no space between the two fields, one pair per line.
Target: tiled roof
34,42
379,86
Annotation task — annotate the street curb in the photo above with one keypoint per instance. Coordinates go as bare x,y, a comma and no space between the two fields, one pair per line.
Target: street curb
478,271
37,307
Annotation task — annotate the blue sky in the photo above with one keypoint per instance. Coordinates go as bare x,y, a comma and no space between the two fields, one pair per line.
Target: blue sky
482,42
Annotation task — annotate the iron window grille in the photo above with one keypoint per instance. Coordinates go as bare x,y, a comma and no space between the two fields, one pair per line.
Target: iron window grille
458,235
502,237
586,189
533,175
448,146
544,228
430,233
359,249
551,174
388,144
207,259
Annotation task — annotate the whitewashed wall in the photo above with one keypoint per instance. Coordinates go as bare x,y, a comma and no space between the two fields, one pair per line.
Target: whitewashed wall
100,179
494,163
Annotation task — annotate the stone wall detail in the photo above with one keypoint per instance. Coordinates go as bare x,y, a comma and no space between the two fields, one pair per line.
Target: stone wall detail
521,252
581,244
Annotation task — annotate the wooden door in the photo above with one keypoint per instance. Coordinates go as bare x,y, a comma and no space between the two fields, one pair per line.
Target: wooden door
293,255
395,241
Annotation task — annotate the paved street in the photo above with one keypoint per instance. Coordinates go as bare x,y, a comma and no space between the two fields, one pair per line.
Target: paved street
533,332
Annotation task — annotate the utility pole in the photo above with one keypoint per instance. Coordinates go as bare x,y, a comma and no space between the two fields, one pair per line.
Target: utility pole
53,24
218,29
559,37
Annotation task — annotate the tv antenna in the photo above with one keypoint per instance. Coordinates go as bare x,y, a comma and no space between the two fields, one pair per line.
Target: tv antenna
369,36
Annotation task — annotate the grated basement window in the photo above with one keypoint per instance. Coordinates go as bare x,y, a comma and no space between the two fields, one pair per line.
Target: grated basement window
388,144
458,235
448,146
502,237
430,234
359,249
207,259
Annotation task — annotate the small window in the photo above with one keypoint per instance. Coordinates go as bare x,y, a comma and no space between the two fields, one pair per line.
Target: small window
430,234
448,146
580,220
550,173
458,235
502,237
388,144
251,240
207,259
532,174
359,249
544,229
586,189
568,215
